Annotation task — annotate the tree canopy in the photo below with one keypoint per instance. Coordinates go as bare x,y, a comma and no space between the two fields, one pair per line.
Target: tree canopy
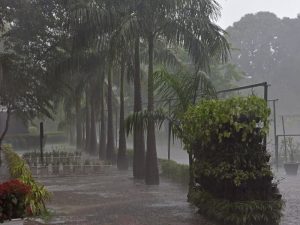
267,49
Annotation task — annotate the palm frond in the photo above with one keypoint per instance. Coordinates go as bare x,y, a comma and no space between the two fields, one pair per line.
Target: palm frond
192,26
142,118
181,89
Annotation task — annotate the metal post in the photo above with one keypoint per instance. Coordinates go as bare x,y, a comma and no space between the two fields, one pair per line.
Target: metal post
169,134
275,132
266,87
42,141
116,127
274,118
276,153
266,99
284,139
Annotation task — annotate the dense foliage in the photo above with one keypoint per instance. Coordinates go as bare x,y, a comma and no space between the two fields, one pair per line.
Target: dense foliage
19,169
252,212
12,199
231,164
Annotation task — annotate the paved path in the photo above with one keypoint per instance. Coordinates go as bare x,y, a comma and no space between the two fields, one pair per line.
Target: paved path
116,199
290,188
119,200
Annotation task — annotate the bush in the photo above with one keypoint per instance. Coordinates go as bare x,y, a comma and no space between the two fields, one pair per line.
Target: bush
19,170
33,130
231,163
169,169
13,200
56,138
252,212
32,140
174,171
24,141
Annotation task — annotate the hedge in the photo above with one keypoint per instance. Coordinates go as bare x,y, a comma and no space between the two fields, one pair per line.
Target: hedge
174,171
226,212
31,141
233,181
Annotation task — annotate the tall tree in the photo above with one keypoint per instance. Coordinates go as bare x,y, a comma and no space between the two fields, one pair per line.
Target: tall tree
79,135
93,132
267,49
138,133
110,147
187,23
28,87
102,131
122,161
87,121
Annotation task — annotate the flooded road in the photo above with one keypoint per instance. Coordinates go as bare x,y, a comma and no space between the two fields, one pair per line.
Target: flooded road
116,199
116,196
290,189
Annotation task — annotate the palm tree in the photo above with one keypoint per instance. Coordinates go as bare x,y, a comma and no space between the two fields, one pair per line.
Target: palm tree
138,132
102,130
79,135
93,133
110,148
187,23
122,161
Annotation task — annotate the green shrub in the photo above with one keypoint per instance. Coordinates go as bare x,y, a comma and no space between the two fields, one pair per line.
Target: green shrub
24,141
169,169
19,170
176,172
231,163
56,137
33,130
32,139
226,212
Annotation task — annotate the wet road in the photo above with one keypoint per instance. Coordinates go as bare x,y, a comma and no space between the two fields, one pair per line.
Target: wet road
116,199
290,189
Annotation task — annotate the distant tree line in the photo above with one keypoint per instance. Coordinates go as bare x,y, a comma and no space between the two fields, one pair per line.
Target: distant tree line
267,48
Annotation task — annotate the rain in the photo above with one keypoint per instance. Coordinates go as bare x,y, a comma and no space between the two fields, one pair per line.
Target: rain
149,112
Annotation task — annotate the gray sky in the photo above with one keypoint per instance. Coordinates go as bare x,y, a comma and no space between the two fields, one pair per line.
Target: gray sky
233,10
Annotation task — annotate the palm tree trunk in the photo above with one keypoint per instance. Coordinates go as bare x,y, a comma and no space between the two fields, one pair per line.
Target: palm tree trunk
83,133
93,138
110,126
71,133
151,175
78,121
102,132
138,131
87,122
122,161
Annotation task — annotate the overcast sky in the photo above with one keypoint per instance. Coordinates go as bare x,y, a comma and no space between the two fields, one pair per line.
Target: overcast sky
233,10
